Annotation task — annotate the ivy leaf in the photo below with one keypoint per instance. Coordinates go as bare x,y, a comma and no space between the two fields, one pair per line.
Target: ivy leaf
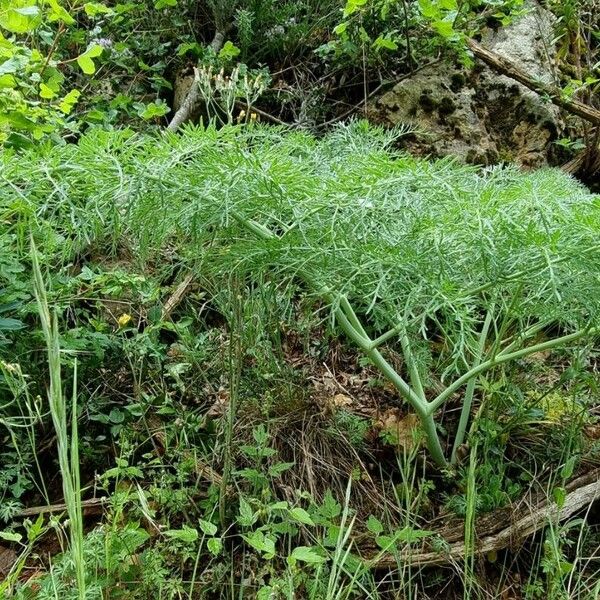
46,92
85,61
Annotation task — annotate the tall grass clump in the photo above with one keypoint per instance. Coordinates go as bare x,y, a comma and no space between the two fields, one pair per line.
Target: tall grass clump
67,445
438,272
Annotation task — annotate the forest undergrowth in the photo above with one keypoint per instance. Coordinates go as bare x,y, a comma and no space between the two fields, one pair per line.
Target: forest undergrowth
281,366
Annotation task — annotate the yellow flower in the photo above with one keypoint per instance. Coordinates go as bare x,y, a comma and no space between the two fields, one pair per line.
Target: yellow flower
123,319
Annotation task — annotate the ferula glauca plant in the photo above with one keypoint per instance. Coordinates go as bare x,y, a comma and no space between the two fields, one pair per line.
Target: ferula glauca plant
437,272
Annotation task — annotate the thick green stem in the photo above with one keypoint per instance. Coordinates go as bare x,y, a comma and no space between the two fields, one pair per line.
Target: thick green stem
413,371
386,336
418,402
502,358
465,412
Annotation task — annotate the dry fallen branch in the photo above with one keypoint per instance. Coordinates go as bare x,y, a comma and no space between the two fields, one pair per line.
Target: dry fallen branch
192,98
508,68
188,105
522,525
174,300
92,505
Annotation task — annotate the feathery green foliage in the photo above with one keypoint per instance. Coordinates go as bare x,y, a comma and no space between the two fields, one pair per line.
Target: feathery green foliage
459,270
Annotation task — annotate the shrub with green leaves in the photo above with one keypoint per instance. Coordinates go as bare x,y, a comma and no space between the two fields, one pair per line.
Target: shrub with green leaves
454,269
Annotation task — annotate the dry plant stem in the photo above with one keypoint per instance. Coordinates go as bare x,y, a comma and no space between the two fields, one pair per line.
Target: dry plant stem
235,372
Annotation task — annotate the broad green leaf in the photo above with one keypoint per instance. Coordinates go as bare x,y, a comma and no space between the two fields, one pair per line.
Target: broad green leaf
19,16
247,516
229,51
278,468
207,527
384,42
164,4
214,546
559,494
28,11
193,47
157,109
46,92
331,508
58,13
445,28
13,65
7,81
259,541
187,534
385,542
429,9
374,525
341,28
116,416
18,120
308,555
448,4
300,515
10,537
352,6
409,535
93,9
